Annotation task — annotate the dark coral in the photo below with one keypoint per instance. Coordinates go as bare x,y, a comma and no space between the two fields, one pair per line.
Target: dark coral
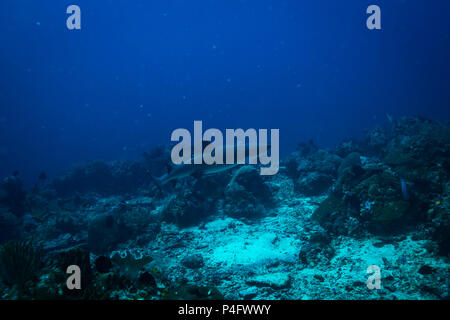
188,208
389,195
247,196
13,195
313,171
105,232
117,177
9,225
102,177
20,262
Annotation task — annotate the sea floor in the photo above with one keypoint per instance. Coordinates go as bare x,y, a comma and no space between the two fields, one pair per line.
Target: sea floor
259,259
366,220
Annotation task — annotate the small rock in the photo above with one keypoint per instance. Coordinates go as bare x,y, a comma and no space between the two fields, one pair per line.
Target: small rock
357,284
249,293
193,262
378,244
276,280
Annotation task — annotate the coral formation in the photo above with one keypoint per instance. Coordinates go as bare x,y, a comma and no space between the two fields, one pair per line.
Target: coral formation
247,196
309,232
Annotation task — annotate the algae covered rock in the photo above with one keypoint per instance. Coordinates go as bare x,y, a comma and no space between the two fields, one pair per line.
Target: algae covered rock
333,205
247,196
419,147
346,147
391,212
350,162
333,214
313,171
314,183
105,232
373,197
187,208
194,261
382,199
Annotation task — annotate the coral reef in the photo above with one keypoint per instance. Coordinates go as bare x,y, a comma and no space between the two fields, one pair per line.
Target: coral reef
309,232
109,178
388,195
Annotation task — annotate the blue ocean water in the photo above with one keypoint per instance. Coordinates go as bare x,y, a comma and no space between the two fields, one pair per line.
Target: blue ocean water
137,70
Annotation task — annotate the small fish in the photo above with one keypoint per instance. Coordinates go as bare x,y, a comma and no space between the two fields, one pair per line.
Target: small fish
404,189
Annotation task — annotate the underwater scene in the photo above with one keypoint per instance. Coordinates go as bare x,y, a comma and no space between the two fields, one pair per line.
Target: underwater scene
237,150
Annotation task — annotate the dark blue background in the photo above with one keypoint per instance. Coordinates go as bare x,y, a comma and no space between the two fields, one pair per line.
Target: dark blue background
139,69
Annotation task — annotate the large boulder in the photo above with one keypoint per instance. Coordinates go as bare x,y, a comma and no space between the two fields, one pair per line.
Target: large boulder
247,196
313,183
187,208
